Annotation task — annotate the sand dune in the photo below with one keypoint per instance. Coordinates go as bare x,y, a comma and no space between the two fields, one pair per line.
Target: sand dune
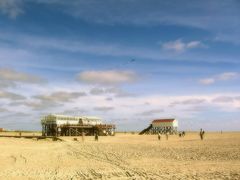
124,156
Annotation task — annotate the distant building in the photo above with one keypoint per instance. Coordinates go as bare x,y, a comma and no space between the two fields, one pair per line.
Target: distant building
1,129
161,126
164,125
61,125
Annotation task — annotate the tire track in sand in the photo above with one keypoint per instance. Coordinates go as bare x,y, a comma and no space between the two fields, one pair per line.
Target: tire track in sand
111,159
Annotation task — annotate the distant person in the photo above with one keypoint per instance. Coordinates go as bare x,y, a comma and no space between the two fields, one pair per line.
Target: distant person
180,134
96,136
166,135
183,133
159,136
201,133
82,136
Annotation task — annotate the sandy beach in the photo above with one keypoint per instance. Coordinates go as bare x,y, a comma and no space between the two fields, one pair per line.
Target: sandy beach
124,156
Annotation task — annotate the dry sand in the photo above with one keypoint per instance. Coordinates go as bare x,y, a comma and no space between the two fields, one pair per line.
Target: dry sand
124,156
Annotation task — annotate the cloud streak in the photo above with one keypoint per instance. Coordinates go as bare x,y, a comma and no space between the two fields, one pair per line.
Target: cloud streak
218,18
227,76
11,78
226,99
180,46
31,44
10,96
103,109
114,91
151,112
60,96
2,110
192,101
108,77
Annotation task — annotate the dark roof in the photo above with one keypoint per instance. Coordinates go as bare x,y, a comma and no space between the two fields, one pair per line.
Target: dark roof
162,120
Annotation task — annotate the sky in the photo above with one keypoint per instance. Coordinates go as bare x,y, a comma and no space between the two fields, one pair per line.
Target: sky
126,61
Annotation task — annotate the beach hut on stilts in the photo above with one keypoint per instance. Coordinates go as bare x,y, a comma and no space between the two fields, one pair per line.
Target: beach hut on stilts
162,126
61,125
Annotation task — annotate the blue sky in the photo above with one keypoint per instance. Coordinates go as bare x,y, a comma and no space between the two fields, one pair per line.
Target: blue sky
128,62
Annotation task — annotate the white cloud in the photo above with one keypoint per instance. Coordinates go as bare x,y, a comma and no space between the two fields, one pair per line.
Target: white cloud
51,101
197,108
2,110
180,46
226,99
109,99
104,109
113,91
11,8
151,112
97,91
193,44
109,77
6,84
192,101
9,78
223,99
10,95
65,100
207,81
12,75
227,76
41,105
76,111
60,96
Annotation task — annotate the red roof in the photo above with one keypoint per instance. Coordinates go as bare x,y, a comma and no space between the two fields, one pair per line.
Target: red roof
162,120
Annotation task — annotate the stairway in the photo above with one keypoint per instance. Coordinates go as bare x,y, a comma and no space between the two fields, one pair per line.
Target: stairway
146,130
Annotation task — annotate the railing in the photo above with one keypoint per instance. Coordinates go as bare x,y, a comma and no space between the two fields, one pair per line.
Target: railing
101,126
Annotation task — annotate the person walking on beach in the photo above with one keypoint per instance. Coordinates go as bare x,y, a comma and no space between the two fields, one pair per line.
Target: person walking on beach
166,135
183,133
180,134
201,134
159,136
96,136
83,136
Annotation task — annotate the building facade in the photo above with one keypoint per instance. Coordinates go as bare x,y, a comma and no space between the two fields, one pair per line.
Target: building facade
61,125
164,126
161,126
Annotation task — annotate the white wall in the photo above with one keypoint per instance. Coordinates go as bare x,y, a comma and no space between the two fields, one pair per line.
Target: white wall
165,124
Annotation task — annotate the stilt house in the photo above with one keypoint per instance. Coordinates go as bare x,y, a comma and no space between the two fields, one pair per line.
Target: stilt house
161,126
61,125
